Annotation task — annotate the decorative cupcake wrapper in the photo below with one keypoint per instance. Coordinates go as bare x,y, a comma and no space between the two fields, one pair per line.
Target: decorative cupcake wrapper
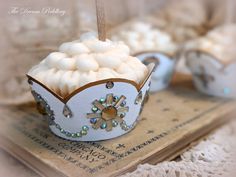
211,76
164,65
97,111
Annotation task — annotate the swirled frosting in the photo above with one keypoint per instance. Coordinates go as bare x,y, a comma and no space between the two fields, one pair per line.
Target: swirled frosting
142,36
86,60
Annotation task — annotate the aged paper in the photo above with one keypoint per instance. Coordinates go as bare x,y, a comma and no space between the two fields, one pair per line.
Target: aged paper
170,121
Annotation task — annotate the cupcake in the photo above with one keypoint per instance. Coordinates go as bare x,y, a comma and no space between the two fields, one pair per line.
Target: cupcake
90,89
143,36
87,60
219,42
212,61
149,44
184,19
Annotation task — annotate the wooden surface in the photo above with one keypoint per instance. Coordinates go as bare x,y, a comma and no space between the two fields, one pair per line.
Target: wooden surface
171,120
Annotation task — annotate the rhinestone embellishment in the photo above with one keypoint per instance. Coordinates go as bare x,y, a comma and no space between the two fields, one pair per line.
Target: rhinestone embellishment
109,85
226,91
30,82
84,131
139,98
43,108
67,112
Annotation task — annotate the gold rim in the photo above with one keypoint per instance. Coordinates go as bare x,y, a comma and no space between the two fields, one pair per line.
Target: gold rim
80,89
213,57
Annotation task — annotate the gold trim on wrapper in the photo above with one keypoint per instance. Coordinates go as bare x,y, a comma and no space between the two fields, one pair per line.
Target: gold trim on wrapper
213,57
151,67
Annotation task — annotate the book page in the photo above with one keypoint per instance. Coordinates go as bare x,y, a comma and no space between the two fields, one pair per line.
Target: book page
170,120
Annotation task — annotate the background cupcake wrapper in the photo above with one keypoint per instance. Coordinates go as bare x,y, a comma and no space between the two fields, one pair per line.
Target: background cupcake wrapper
165,66
211,76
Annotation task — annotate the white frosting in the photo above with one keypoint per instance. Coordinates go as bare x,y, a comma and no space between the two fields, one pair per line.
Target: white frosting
87,60
141,36
220,42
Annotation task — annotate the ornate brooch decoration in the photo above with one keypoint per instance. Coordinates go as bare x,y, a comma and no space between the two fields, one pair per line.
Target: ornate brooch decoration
108,112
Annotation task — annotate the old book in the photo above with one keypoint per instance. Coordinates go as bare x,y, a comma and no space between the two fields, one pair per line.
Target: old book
171,120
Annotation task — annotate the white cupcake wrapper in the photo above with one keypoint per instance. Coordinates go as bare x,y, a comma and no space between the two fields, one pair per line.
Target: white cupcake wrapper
165,66
73,117
211,76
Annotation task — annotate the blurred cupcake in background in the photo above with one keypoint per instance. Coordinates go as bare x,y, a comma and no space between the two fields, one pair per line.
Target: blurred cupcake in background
220,42
142,36
212,61
183,19
149,44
